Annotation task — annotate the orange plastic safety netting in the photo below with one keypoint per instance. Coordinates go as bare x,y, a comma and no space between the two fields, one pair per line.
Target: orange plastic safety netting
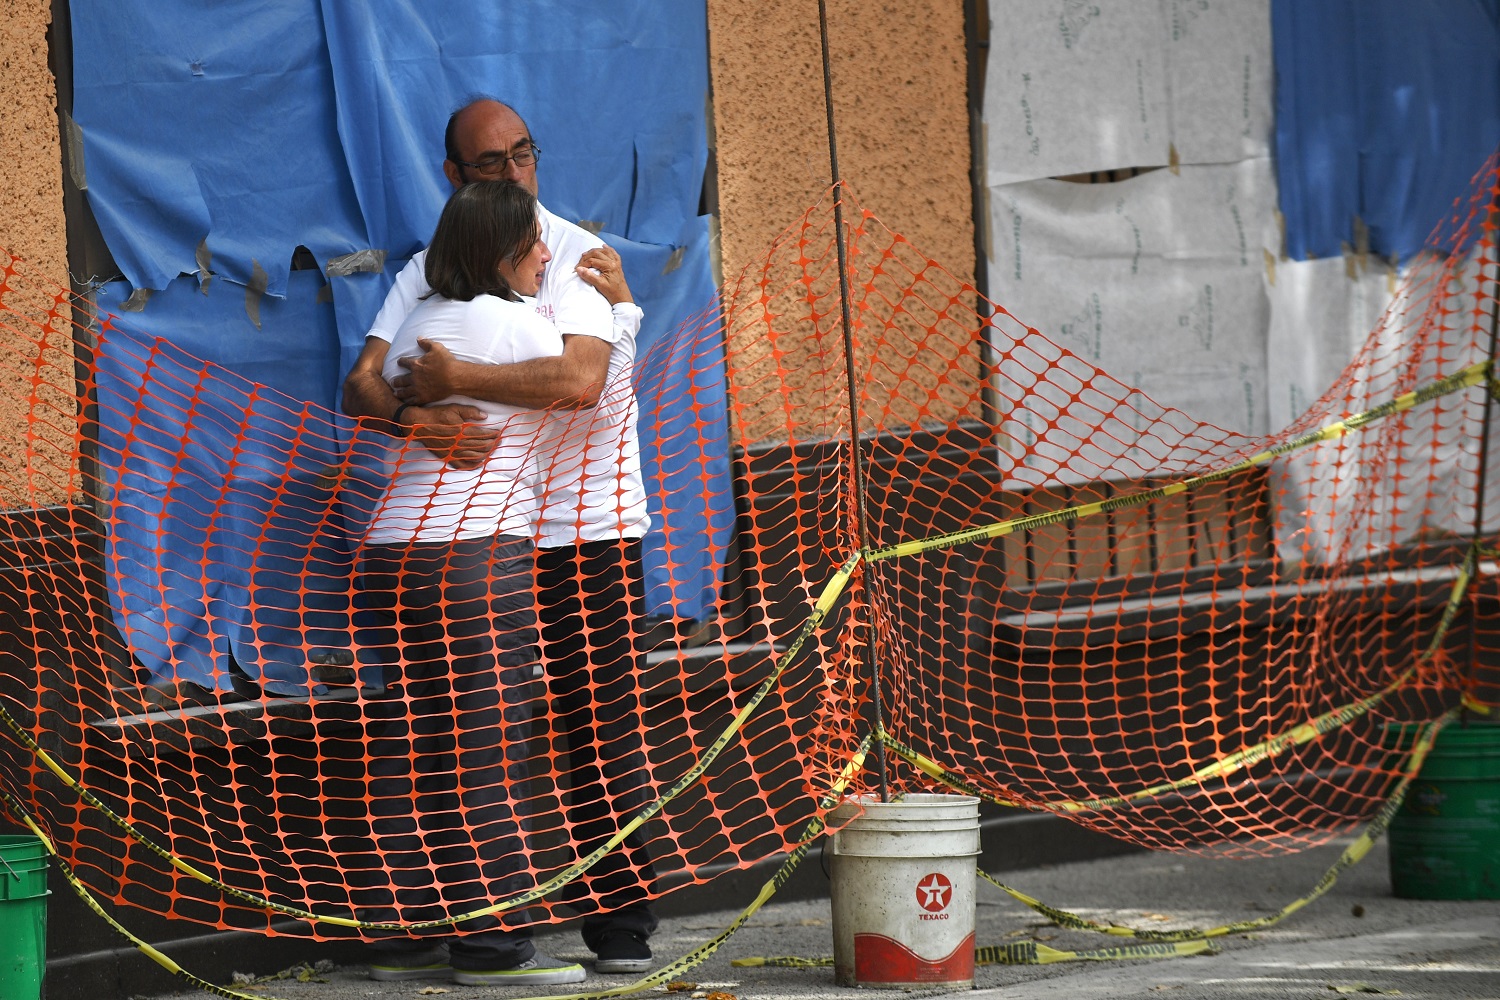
1183,636
1087,603
440,719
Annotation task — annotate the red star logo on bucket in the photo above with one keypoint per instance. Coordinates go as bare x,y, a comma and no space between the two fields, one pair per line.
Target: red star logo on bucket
933,892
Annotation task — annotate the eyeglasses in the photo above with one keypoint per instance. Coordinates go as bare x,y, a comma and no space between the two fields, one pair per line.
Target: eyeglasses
494,165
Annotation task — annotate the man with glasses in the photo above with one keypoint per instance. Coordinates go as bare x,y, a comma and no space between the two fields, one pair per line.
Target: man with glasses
593,517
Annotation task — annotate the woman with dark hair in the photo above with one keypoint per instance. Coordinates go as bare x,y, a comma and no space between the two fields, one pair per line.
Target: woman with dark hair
448,614
486,254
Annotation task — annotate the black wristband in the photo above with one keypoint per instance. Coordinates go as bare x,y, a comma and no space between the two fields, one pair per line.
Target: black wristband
396,417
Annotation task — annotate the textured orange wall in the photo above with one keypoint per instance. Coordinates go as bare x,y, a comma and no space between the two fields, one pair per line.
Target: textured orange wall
31,209
32,228
901,113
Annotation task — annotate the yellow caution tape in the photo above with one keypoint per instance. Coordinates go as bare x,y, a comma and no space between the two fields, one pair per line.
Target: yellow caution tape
1469,704
1158,943
1350,856
698,955
1298,735
83,893
782,962
1473,375
663,975
825,603
1032,953
1019,953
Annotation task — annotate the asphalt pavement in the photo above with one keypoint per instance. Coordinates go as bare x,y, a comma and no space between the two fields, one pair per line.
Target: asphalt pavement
1357,940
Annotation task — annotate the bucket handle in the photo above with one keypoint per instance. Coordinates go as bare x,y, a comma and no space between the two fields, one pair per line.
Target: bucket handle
13,873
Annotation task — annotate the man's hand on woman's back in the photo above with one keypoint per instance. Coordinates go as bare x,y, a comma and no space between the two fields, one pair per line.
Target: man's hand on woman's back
450,431
430,375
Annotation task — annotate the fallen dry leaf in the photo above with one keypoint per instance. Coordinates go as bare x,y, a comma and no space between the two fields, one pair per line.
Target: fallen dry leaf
680,986
302,973
721,995
428,991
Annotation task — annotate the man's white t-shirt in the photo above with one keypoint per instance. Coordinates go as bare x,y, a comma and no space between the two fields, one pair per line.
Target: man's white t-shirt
429,501
590,460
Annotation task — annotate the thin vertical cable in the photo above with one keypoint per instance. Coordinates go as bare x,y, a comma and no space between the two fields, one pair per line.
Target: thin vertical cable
862,513
1484,434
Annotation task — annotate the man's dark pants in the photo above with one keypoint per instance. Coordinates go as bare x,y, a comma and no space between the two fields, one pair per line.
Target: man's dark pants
592,599
455,624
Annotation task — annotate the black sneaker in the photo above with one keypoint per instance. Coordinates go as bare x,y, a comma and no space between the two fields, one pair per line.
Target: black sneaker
538,970
623,951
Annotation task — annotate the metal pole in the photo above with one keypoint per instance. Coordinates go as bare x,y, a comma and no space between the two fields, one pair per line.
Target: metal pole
1484,434
977,42
862,513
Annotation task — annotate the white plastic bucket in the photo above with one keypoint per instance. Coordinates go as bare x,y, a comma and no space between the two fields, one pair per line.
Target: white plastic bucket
903,891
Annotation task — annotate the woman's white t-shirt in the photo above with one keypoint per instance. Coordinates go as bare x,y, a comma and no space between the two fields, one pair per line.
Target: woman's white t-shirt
429,501
595,489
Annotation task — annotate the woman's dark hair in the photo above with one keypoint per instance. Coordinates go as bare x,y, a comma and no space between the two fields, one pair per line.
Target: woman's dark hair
484,224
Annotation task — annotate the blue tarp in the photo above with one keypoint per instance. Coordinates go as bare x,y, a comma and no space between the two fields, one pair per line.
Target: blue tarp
211,123
220,541
247,129
688,446
1385,111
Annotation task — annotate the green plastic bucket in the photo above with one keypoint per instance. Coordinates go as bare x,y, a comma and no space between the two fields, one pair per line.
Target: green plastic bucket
1445,840
23,916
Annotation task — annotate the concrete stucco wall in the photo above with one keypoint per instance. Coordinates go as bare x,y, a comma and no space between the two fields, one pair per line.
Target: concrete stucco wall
31,207
32,228
901,114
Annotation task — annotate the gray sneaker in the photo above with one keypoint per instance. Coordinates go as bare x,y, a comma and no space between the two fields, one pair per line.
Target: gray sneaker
539,970
399,966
